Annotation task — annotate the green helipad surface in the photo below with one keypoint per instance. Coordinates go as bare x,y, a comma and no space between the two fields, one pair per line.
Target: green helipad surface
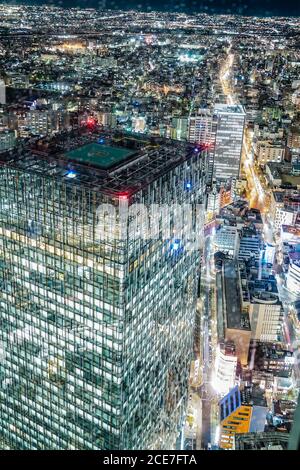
99,155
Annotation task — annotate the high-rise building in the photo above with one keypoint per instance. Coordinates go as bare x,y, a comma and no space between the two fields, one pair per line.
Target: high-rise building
229,140
180,127
139,124
202,130
96,320
44,122
105,118
7,140
284,207
293,138
2,92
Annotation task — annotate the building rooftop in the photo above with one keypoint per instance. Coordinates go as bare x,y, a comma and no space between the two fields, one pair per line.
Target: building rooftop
290,229
264,286
294,257
235,318
289,197
261,441
264,353
99,155
227,108
112,163
254,396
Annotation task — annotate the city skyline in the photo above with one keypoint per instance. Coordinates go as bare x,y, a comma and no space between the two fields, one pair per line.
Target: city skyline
241,7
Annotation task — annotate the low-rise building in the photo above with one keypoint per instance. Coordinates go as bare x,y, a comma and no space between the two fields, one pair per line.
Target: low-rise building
284,207
290,234
241,411
233,322
43,122
250,245
268,151
270,357
261,441
227,239
224,374
265,311
293,274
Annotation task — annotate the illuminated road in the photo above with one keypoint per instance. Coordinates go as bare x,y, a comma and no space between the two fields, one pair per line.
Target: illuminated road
224,77
257,195
206,391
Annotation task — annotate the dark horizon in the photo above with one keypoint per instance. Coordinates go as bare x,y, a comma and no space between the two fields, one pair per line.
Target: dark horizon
238,7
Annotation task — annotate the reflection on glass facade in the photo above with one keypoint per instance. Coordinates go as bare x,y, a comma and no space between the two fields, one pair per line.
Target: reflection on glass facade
202,129
96,335
229,140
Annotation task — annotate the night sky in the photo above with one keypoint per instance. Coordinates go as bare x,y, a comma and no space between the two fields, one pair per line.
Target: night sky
244,7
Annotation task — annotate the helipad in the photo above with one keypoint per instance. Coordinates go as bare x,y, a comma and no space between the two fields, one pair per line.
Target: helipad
99,155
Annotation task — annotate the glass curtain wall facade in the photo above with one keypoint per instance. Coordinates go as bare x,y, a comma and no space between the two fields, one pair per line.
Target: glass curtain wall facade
202,130
95,336
229,140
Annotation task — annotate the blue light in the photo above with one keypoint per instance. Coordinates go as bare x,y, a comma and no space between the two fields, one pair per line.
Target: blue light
196,149
175,245
101,141
71,174
188,185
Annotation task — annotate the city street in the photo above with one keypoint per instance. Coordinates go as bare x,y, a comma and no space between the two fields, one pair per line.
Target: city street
207,393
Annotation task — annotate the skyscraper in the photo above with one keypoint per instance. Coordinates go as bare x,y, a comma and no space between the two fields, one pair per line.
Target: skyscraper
96,321
201,127
202,130
229,140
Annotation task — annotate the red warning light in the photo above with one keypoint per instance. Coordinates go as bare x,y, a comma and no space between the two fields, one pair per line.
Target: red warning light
204,146
123,196
91,122
208,146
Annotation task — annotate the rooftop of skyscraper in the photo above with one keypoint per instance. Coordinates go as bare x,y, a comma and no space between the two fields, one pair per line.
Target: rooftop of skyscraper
229,108
113,163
